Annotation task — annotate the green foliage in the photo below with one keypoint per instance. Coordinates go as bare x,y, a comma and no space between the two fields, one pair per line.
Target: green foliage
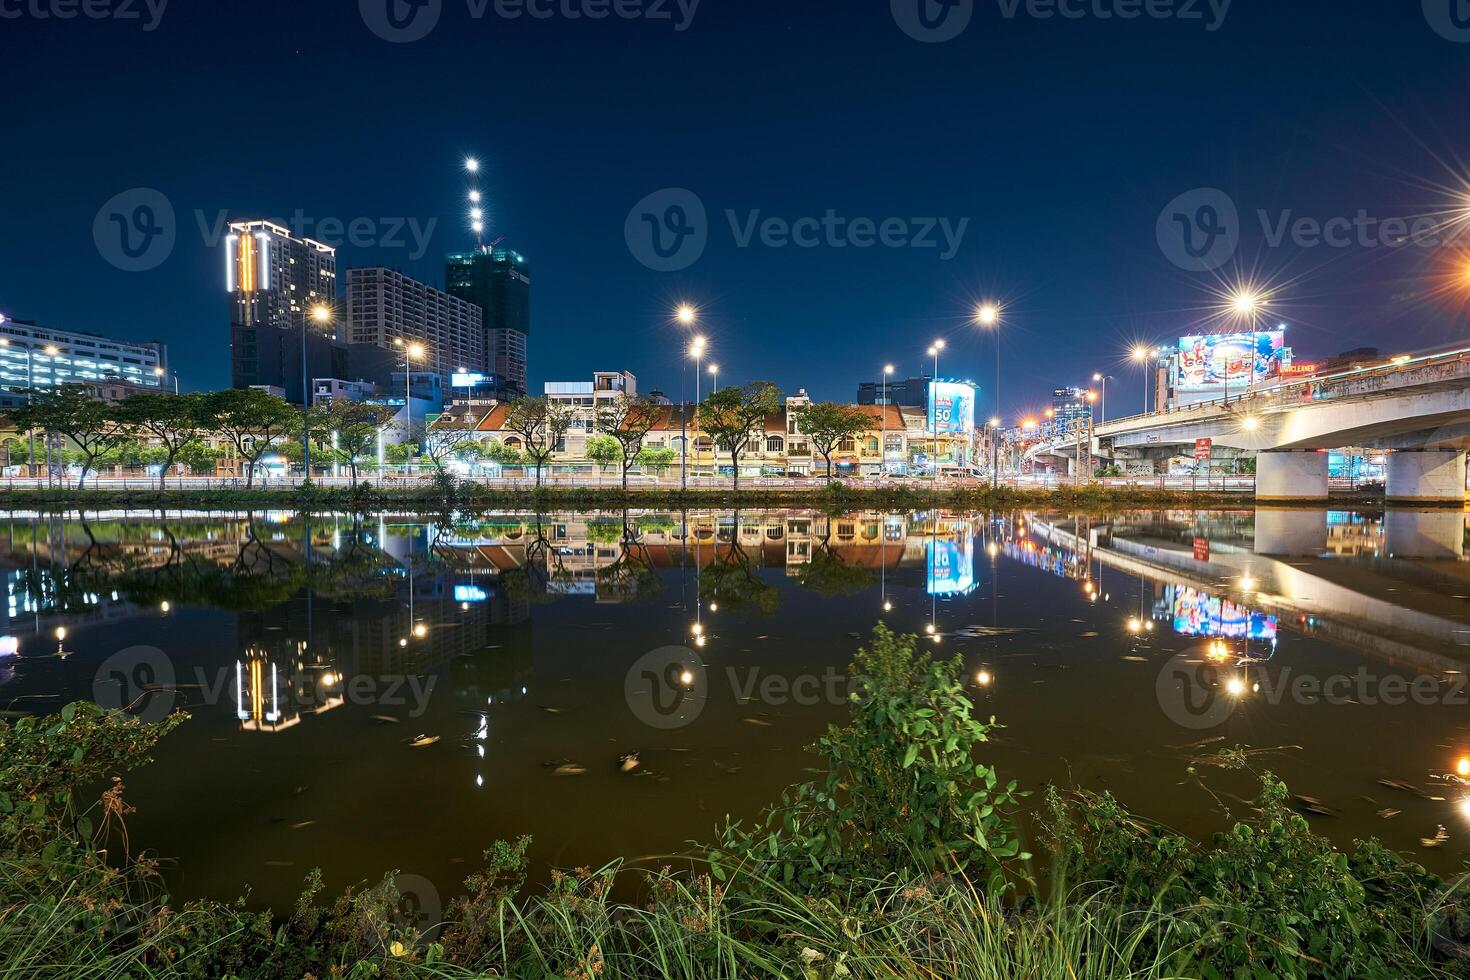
500,453
829,423
1268,898
902,792
735,417
94,427
604,450
657,459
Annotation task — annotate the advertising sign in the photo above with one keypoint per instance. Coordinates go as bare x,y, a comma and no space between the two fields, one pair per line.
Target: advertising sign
1198,614
1208,360
1302,369
466,380
470,593
951,408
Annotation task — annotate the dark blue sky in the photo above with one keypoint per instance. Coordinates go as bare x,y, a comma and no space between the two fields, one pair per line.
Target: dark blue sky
1061,140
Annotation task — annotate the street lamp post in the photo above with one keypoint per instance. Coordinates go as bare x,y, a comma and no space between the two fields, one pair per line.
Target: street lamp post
934,411
1103,379
988,315
411,353
883,448
1142,356
696,351
319,314
687,316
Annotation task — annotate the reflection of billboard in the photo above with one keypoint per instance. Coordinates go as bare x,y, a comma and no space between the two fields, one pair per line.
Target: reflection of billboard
1206,361
952,566
951,408
1198,614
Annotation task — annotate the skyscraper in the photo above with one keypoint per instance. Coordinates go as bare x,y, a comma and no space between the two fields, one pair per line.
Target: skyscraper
1069,405
498,281
276,281
384,306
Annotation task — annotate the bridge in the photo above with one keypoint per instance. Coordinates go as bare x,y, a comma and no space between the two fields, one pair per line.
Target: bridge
1417,408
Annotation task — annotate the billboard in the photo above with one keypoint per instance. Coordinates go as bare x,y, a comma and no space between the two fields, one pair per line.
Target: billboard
1199,614
1207,360
464,379
951,566
951,408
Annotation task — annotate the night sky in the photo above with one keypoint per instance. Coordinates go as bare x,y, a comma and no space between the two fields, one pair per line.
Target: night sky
1060,140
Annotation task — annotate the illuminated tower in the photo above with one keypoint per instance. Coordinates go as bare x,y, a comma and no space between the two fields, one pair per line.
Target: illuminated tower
276,281
498,281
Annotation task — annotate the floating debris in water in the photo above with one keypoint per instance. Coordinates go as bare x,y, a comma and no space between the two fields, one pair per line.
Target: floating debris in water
1440,836
550,710
1088,635
300,824
984,632
569,770
423,741
384,719
756,721
629,762
1388,814
554,763
1313,806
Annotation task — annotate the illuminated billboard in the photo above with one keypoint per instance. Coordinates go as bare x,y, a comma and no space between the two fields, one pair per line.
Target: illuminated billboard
1208,360
951,408
466,379
1199,614
952,566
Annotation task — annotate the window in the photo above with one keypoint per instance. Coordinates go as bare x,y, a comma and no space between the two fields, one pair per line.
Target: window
775,444
846,445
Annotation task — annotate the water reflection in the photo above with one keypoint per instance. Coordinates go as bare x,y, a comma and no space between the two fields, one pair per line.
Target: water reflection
478,662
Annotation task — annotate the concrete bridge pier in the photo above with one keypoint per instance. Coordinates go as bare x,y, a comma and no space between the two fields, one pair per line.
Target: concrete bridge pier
1434,535
1290,533
1426,476
1291,474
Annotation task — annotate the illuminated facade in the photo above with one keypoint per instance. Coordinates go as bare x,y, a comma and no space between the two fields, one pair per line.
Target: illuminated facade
275,282
33,356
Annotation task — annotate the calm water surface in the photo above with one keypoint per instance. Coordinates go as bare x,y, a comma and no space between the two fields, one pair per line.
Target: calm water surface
395,692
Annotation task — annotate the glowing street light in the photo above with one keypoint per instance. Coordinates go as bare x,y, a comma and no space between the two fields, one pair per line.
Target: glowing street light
988,315
472,165
686,314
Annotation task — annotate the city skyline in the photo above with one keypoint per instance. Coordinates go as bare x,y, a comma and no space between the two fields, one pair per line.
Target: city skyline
1059,214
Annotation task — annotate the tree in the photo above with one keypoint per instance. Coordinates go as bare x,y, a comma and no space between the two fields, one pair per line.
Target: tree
502,455
175,422
734,417
658,458
71,411
627,422
199,457
828,424
541,424
604,451
253,421
356,426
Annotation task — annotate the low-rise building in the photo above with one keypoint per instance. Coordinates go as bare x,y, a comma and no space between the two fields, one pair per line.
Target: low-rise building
41,358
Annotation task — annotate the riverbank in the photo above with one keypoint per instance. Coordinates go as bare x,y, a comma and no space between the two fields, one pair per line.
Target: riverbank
436,496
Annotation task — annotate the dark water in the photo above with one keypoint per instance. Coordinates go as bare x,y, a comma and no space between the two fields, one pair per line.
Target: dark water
528,656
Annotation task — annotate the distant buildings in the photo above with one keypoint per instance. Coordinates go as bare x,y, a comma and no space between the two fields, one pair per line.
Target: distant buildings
384,306
276,283
498,281
912,393
33,356
1070,405
583,399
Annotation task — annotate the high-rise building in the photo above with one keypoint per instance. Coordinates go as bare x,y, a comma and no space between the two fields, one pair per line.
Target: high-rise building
40,358
277,282
384,306
498,281
1070,404
910,393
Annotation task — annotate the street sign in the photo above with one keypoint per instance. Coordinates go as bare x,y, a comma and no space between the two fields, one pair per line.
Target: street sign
1204,449
1202,549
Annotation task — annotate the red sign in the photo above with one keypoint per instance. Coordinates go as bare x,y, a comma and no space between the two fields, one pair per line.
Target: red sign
1203,450
1202,549
1302,370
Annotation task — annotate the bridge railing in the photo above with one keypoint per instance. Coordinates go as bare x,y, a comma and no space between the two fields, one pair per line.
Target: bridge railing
1354,381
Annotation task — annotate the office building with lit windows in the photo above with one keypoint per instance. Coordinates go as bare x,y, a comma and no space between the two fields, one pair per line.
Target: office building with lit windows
280,288
41,358
498,281
385,307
